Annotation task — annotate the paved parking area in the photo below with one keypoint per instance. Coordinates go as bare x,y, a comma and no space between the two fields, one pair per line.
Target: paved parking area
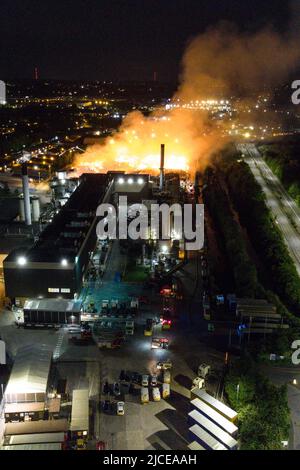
156,425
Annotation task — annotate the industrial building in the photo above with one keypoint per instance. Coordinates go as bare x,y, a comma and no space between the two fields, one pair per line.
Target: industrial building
54,266
28,382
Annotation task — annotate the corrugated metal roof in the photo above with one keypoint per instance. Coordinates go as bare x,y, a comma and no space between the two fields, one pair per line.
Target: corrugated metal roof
213,429
32,427
52,446
30,371
48,438
206,438
216,417
80,410
53,305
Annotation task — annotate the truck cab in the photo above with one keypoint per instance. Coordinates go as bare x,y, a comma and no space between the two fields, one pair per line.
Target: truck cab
203,370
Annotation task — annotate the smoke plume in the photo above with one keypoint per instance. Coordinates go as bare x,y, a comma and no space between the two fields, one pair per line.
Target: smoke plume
220,63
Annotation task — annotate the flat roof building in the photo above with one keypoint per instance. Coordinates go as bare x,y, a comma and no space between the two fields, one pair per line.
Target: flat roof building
28,381
54,266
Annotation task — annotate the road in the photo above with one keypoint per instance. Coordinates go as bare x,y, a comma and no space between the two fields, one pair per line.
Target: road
287,216
282,206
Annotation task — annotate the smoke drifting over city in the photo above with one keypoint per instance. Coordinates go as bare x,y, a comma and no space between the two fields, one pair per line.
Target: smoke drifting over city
218,64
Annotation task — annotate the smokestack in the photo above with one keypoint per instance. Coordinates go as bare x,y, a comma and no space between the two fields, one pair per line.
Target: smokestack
36,73
26,194
162,167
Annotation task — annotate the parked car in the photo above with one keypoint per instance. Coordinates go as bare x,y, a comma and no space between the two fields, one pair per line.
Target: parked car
166,390
145,381
120,408
164,365
144,395
167,376
106,388
156,394
125,388
117,391
106,406
100,445
136,378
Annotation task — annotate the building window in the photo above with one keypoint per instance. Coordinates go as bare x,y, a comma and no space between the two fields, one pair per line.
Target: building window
65,291
53,290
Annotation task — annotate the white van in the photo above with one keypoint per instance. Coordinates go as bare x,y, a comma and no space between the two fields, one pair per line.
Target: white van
144,395
156,394
165,390
167,376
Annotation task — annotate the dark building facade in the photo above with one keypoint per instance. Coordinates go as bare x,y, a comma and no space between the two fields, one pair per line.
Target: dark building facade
54,266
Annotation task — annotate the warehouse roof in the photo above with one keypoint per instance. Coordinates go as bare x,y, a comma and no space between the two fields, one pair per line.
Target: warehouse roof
80,410
36,427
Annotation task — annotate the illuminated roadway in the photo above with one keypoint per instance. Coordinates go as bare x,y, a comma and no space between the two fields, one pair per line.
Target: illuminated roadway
282,206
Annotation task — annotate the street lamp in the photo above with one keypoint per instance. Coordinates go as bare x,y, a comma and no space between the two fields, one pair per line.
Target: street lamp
22,261
237,392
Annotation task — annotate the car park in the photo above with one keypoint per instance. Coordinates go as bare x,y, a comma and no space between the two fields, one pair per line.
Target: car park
125,388
122,375
100,445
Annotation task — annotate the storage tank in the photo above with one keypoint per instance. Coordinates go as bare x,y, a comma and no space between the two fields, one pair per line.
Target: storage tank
35,209
21,209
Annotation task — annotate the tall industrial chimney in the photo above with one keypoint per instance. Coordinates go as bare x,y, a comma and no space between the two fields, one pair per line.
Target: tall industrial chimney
26,194
162,167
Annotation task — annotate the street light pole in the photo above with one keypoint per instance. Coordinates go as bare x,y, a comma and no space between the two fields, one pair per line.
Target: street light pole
237,392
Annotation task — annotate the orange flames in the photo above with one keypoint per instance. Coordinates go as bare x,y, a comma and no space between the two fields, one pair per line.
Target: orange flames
136,146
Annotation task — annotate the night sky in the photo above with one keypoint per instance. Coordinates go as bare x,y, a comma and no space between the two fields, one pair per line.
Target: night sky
115,39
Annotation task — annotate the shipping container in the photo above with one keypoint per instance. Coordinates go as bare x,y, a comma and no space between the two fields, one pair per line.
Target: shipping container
215,431
203,438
